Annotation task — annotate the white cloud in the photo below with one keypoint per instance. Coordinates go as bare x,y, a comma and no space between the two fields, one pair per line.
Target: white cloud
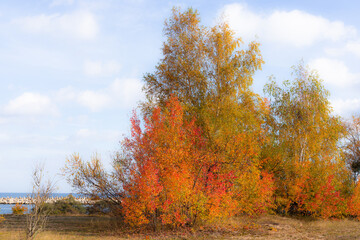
245,22
127,91
84,133
94,100
97,68
55,3
5,138
334,72
352,47
124,93
30,104
4,120
346,107
79,25
295,28
65,94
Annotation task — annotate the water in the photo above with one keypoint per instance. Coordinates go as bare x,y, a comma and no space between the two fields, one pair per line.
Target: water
7,208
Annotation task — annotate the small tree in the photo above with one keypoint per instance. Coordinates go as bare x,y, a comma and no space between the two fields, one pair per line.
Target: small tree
91,180
352,146
307,162
41,192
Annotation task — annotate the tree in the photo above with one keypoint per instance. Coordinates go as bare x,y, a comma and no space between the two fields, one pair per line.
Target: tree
36,220
175,179
211,73
90,179
166,178
352,146
305,137
197,156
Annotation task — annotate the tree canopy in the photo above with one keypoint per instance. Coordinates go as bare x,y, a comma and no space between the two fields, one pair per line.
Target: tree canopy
205,146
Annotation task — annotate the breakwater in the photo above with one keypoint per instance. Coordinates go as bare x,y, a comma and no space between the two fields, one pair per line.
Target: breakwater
29,200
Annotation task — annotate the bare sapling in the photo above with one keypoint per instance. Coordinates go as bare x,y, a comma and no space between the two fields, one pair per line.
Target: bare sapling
42,189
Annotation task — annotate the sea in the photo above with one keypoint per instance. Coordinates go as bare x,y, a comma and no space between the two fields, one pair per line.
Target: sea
7,208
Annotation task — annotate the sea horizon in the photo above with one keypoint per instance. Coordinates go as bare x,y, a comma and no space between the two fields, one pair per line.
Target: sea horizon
7,208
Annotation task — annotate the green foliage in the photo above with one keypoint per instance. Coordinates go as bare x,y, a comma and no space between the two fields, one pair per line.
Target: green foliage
66,206
100,207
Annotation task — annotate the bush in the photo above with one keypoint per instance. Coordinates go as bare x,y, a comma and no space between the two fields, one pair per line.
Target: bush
19,209
65,206
99,208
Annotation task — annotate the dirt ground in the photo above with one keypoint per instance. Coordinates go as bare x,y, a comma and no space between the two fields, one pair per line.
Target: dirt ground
264,227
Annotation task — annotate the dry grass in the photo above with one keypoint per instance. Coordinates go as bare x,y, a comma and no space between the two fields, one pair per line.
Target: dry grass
265,227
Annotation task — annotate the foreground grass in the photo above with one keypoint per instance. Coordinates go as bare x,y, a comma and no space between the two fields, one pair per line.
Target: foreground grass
264,227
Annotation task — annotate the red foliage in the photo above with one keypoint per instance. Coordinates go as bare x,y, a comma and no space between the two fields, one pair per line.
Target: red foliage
176,179
354,202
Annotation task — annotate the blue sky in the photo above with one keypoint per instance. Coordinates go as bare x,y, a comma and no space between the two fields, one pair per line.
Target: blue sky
71,70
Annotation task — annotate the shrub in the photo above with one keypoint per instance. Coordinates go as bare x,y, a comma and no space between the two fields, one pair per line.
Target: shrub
65,206
100,207
19,209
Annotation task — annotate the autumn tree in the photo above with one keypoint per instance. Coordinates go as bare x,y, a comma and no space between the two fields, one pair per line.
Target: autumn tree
166,182
205,146
169,181
352,146
211,72
197,155
304,153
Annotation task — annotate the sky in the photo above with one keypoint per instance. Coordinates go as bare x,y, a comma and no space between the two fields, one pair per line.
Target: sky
71,70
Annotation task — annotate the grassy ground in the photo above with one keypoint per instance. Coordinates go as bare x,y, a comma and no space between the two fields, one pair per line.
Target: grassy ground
265,227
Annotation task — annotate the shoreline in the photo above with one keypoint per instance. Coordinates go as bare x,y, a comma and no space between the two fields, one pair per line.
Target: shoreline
29,200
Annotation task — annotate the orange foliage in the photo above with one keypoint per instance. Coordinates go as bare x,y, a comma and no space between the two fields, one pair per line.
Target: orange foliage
316,194
354,202
176,179
19,209
218,149
165,177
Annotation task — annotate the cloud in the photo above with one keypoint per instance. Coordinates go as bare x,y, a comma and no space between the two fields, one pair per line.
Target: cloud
295,28
79,25
55,3
127,91
30,104
124,93
245,22
65,94
84,133
346,107
334,72
94,100
352,47
97,68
